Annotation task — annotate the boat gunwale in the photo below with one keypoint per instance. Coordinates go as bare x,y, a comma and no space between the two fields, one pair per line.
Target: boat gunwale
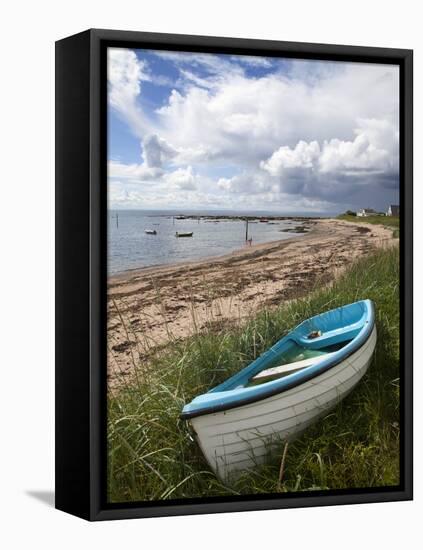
270,392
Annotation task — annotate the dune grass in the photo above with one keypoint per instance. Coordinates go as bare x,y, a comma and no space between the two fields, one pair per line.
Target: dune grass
388,221
151,454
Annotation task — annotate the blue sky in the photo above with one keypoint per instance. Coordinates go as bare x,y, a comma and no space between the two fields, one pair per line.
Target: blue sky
206,131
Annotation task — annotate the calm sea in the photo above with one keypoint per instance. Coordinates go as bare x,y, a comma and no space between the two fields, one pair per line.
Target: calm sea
129,247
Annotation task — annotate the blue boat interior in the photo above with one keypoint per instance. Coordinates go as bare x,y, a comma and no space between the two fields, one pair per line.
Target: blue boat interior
315,345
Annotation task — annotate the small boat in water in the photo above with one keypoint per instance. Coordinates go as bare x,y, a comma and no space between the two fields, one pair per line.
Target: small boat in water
179,234
151,231
282,392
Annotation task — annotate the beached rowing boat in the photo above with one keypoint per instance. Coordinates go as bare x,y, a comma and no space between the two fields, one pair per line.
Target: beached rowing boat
283,391
151,231
178,234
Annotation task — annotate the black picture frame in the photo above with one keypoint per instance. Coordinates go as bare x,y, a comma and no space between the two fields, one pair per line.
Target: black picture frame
81,141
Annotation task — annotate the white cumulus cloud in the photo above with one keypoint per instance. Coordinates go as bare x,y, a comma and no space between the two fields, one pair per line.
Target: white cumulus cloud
124,74
318,131
182,178
303,155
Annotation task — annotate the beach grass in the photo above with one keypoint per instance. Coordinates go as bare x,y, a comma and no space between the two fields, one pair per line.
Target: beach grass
151,454
387,221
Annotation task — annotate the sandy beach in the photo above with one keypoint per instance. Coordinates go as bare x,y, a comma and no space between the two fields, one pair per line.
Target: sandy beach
149,307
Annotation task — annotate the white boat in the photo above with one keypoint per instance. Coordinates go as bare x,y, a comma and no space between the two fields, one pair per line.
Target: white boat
280,394
150,231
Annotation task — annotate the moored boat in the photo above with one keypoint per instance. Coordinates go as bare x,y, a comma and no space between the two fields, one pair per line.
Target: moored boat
179,234
151,231
282,392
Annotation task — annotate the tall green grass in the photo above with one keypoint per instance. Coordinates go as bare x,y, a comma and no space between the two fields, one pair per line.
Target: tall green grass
151,454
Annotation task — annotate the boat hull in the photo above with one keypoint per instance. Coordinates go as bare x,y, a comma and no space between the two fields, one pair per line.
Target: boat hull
241,438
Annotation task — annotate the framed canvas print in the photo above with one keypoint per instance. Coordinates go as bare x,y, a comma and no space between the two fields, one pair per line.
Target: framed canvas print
234,274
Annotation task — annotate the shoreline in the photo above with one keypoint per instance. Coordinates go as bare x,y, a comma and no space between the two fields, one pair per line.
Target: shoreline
306,228
149,307
136,271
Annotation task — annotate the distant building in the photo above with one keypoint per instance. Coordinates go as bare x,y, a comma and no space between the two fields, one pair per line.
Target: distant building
393,210
366,212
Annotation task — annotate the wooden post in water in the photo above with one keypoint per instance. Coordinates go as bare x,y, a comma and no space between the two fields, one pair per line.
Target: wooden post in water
246,230
117,220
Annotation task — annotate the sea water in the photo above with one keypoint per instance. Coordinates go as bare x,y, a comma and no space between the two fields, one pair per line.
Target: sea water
129,247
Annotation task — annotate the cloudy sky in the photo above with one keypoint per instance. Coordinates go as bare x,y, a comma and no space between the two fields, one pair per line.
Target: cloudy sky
202,131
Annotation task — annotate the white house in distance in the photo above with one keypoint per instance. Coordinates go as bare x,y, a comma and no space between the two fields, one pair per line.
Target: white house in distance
393,210
363,212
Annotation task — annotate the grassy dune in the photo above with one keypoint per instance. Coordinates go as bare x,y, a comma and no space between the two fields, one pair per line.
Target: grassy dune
388,221
151,454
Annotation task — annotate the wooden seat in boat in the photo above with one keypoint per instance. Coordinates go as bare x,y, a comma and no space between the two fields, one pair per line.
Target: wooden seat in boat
289,368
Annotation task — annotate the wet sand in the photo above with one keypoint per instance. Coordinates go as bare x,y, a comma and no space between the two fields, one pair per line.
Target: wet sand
148,307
